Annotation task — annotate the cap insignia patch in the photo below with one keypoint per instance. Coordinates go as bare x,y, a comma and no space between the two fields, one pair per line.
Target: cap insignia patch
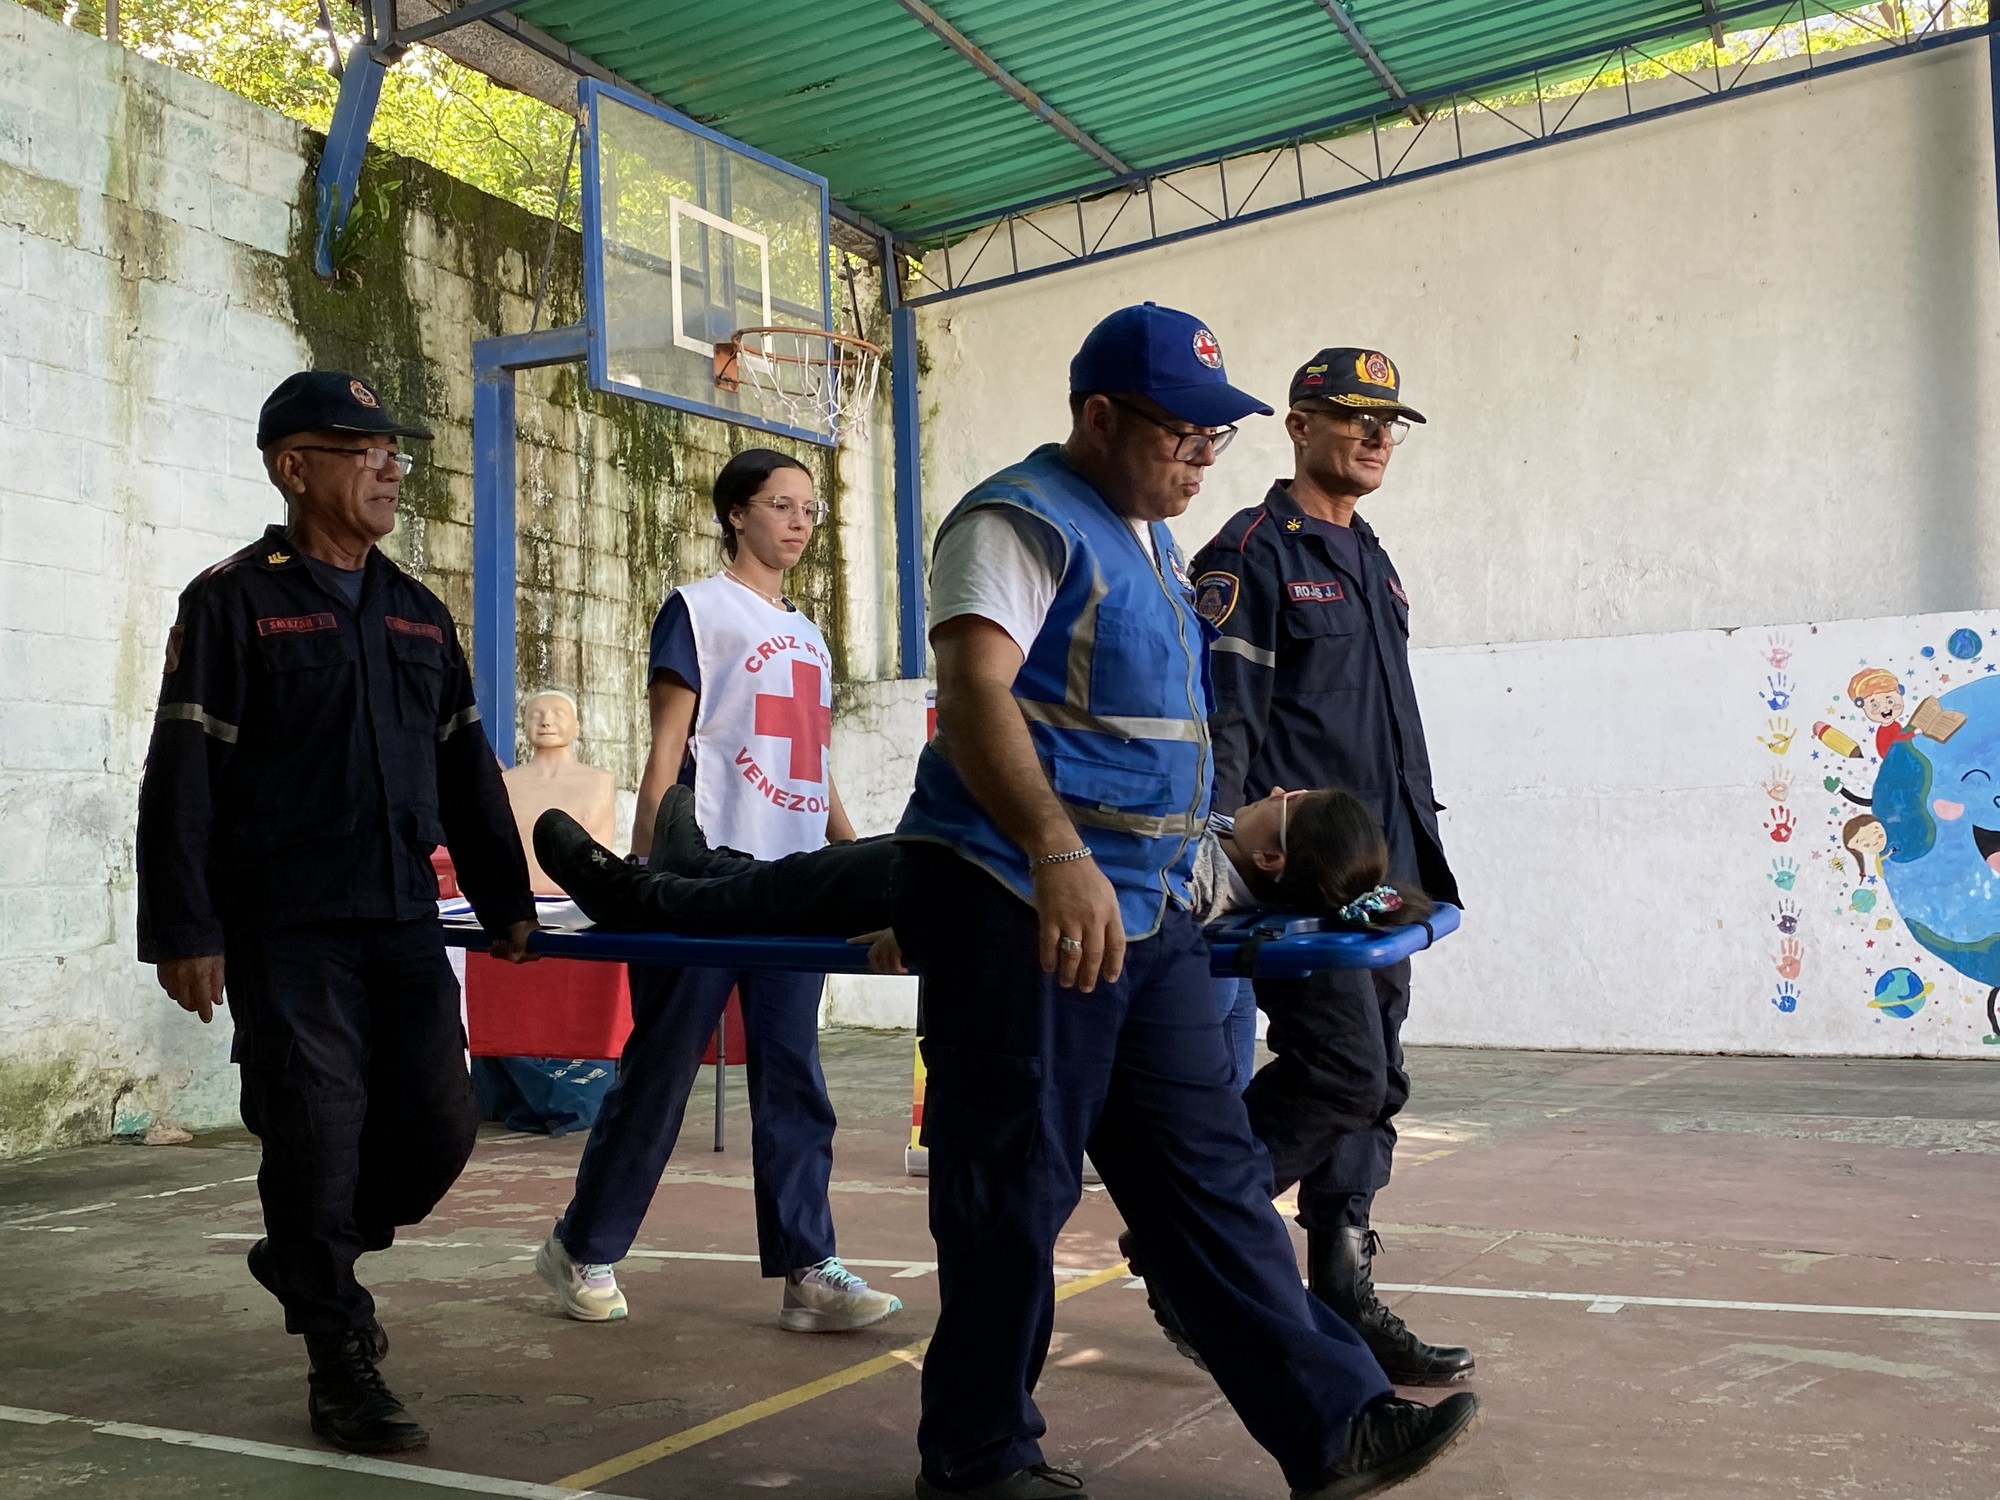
366,397
1206,349
1375,369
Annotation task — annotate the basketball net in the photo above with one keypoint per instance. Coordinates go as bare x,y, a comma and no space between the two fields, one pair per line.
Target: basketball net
805,377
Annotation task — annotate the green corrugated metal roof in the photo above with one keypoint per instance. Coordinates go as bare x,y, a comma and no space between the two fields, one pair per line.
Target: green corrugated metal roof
912,134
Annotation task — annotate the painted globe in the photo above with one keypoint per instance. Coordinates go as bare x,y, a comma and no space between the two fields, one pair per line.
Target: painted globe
1900,993
1964,644
1940,805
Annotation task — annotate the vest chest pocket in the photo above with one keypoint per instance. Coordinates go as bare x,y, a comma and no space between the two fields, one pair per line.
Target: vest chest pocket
419,670
1131,660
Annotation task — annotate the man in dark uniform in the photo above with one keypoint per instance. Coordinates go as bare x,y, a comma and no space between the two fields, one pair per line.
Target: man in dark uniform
316,739
1312,688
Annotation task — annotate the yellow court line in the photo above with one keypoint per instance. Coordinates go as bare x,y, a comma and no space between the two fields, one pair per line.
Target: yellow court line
756,1411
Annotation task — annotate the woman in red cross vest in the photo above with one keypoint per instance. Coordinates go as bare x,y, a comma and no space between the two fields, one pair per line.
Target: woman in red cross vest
741,693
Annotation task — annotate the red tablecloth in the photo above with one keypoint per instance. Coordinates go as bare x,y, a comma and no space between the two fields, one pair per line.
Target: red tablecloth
554,1007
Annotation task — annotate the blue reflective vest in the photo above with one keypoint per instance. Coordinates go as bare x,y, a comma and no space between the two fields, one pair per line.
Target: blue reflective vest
1115,693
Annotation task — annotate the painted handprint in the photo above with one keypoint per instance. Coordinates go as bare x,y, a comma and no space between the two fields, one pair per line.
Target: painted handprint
1779,787
1777,692
1779,741
1784,873
1777,651
1780,825
1787,998
1790,959
1787,917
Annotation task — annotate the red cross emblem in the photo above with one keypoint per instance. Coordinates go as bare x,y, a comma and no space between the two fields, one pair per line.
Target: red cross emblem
802,719
1206,349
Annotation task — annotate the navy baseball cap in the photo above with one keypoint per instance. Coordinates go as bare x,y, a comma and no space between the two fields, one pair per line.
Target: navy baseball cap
326,400
1358,379
1167,355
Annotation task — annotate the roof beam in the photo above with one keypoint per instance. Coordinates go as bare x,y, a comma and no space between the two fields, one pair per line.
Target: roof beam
1337,13
1714,22
1036,105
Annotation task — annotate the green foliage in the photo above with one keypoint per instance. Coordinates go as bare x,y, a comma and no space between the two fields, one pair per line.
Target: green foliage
433,109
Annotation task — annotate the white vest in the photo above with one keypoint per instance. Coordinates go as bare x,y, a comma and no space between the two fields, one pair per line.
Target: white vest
764,722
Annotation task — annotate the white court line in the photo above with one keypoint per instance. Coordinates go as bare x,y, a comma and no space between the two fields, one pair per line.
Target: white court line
1607,1302
350,1463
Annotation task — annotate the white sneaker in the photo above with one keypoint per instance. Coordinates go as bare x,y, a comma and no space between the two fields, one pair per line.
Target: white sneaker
587,1293
828,1298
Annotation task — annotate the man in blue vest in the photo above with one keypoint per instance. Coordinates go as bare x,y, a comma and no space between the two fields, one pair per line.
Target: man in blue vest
1042,894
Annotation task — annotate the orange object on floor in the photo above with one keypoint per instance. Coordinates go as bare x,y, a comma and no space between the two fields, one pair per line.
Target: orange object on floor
554,1007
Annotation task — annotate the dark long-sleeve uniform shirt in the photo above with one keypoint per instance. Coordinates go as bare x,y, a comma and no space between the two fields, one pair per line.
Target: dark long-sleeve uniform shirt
308,756
1312,676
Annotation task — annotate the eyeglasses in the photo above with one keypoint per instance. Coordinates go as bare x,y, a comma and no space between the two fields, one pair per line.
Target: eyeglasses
372,459
1368,422
1209,441
815,511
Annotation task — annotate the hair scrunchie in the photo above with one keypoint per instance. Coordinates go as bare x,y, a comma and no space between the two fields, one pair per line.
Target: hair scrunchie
1383,898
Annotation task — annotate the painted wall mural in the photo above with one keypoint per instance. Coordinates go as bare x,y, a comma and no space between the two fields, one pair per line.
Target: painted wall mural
1881,782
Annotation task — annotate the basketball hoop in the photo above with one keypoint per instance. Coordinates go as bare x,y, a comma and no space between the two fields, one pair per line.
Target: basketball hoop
806,377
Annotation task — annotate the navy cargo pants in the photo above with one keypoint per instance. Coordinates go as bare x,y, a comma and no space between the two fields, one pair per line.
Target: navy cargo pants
791,1120
1325,1106
1023,1077
352,1058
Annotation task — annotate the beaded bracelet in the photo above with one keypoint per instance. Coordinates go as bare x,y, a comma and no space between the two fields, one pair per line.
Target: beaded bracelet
1059,859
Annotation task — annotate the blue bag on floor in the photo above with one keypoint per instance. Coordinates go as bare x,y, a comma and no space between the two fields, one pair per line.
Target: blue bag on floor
541,1095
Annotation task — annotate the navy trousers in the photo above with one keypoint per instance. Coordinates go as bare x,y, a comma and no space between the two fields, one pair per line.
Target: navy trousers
1023,1077
674,1012
352,1059
1236,1003
1325,1105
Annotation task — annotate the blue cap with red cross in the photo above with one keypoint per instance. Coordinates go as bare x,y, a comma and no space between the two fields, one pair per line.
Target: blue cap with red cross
1170,356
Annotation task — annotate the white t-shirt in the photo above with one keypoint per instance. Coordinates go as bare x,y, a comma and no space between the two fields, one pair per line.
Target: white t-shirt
1003,564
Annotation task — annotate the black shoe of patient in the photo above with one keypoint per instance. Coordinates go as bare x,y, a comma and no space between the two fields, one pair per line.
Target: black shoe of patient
1394,1440
679,845
1340,1269
1163,1310
350,1405
372,1332
604,887
1037,1482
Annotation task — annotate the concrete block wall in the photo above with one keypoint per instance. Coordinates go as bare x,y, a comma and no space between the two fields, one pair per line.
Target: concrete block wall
138,333
151,294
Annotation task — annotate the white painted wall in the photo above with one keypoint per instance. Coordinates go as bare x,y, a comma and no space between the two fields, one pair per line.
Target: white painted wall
1734,366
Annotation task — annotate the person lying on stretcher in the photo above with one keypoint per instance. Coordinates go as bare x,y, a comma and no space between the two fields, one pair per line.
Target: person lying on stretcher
1316,851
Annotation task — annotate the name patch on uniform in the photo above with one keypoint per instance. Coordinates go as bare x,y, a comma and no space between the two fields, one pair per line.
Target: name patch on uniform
1401,597
296,624
414,627
1215,596
1316,591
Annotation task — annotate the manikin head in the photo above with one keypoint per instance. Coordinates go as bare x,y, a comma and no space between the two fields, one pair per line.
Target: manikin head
549,720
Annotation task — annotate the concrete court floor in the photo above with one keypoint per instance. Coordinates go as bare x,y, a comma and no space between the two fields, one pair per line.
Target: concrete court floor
1528,1177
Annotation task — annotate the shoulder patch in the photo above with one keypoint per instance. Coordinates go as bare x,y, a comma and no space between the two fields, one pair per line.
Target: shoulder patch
1215,596
175,638
1401,597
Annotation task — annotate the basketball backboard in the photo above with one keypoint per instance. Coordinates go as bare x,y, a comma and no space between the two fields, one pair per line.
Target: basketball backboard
689,236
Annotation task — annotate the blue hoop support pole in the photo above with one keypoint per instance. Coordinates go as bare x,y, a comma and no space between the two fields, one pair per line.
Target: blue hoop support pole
907,418
346,146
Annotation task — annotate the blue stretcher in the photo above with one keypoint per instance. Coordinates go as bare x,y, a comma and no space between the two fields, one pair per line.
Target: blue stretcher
1269,945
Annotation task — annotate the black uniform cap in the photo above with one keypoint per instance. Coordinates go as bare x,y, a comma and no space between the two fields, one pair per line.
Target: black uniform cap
1355,379
323,401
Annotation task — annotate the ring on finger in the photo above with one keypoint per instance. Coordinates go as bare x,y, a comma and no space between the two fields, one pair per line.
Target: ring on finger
1070,945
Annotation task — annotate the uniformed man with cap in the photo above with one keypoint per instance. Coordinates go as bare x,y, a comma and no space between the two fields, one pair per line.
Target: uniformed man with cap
316,740
1312,688
1042,892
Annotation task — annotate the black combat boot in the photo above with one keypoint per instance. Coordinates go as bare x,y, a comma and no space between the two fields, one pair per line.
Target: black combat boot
608,890
1394,1440
1338,1264
1163,1310
350,1406
259,1257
